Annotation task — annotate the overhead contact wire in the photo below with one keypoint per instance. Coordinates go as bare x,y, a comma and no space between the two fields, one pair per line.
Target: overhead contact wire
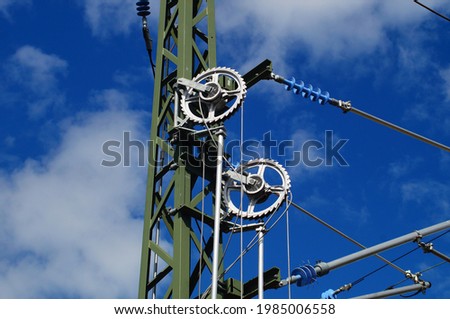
396,259
420,272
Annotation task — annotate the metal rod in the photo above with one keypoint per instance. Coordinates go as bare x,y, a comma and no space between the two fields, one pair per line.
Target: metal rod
400,129
396,291
260,231
323,268
344,235
217,204
155,256
162,160
324,97
176,108
440,255
433,11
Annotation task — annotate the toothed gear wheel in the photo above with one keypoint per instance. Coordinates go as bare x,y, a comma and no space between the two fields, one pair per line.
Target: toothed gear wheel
226,96
267,187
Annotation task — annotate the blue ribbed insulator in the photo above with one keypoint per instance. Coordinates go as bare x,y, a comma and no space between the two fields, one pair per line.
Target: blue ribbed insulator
289,84
324,98
298,87
307,91
143,8
306,273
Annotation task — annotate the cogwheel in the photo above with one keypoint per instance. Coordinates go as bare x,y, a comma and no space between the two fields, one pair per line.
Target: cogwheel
226,96
267,187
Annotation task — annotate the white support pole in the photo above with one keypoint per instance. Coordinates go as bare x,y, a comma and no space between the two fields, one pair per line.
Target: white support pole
218,200
176,108
261,231
155,257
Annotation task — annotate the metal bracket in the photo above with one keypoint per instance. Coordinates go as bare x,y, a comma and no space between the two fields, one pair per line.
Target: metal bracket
271,281
238,228
344,106
194,85
262,71
414,277
238,177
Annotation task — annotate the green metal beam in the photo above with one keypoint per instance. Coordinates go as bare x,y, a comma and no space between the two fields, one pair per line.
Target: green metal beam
186,45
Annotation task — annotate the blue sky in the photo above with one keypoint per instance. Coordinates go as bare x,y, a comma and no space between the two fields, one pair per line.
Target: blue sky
75,74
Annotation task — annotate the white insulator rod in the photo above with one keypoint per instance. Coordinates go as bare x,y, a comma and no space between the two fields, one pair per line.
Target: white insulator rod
217,204
260,262
396,291
324,268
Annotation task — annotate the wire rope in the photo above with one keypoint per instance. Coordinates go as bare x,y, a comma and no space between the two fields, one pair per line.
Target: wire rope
433,11
254,241
234,169
394,260
288,249
420,272
250,245
400,129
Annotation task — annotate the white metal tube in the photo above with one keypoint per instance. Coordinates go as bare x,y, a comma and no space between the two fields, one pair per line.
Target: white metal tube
383,246
176,108
217,204
396,291
156,257
260,231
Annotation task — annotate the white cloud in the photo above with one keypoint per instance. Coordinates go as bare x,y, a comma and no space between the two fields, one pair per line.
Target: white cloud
9,141
326,30
436,109
435,194
110,17
37,70
405,167
299,156
68,225
348,211
115,99
5,5
39,73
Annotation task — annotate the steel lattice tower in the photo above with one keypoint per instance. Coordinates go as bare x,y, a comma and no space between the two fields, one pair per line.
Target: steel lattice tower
186,46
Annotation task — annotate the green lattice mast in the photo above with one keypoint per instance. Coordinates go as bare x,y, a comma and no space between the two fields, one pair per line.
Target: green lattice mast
186,46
